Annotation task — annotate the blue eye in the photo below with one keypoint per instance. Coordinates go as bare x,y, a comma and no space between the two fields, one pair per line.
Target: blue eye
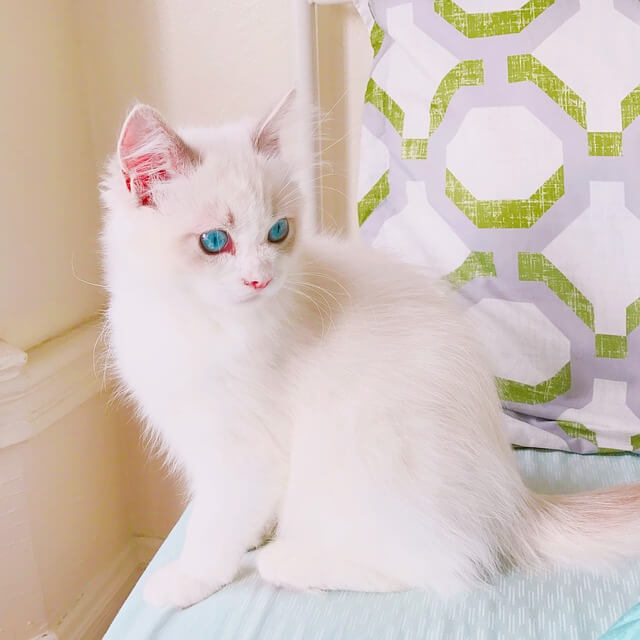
279,231
214,241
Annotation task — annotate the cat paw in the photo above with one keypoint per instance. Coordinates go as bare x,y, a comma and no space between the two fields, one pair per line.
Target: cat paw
170,586
282,567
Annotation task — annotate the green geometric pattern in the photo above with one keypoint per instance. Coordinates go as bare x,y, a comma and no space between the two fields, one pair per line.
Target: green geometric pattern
385,104
630,107
605,143
373,197
633,316
376,38
610,346
525,67
512,391
506,214
468,73
414,148
534,267
495,187
578,430
477,263
499,23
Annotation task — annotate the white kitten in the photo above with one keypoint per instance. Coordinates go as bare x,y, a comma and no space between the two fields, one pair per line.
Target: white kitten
304,381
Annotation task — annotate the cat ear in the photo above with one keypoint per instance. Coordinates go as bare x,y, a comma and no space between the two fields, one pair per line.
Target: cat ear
149,151
266,136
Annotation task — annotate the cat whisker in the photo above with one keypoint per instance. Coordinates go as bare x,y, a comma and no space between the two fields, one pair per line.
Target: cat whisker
321,289
314,302
340,174
324,186
291,200
327,277
327,308
296,291
289,181
79,279
336,142
94,357
326,114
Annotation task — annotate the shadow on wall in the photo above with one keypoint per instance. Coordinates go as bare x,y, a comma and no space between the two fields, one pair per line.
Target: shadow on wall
333,142
342,57
154,497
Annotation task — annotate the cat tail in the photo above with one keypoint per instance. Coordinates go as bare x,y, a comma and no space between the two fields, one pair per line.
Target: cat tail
591,530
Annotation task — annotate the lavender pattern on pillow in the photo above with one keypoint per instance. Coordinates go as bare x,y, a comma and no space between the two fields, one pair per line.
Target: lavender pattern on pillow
501,149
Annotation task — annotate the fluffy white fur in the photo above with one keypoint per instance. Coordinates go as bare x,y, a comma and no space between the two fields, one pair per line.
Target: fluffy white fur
347,404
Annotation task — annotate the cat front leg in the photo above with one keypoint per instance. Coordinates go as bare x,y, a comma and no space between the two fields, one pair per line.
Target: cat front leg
233,505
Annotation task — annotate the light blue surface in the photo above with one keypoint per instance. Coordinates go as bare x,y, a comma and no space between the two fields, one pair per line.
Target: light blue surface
627,628
560,606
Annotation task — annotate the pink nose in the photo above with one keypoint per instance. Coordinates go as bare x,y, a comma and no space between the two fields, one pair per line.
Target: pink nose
257,284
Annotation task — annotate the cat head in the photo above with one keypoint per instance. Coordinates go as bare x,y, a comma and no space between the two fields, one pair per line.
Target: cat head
217,213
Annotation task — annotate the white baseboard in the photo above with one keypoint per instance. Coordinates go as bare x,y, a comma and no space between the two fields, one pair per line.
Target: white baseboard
104,595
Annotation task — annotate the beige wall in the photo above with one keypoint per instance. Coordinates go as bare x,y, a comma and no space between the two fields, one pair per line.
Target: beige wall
154,498
22,608
71,497
76,497
342,61
62,517
47,189
215,61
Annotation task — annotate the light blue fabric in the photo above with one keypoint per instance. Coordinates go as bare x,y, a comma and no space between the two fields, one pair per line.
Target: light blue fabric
627,628
563,605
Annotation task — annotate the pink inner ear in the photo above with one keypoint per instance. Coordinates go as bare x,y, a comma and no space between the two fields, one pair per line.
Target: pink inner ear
141,183
150,151
267,140
266,137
